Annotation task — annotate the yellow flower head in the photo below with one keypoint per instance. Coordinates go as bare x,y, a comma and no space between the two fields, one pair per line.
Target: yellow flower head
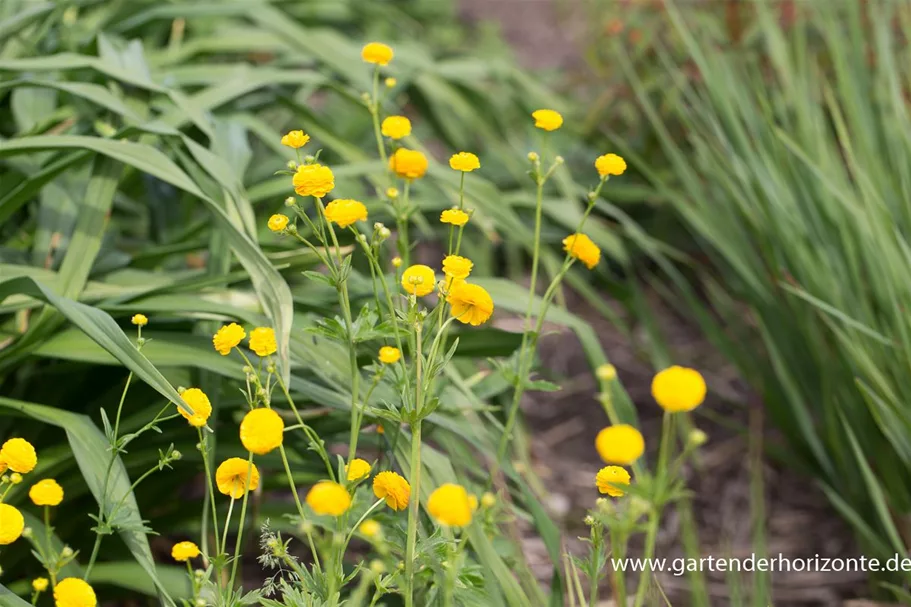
227,338
392,487
19,455
408,164
262,341
370,528
620,444
471,304
295,139
455,266
278,222
11,524
488,500
231,477
396,127
678,389
455,217
39,584
392,193
465,162
313,180
140,320
610,164
610,479
184,551
548,120
450,505
396,262
328,497
582,248
197,400
377,52
261,431
345,212
390,355
419,280
46,493
358,469
606,372
73,592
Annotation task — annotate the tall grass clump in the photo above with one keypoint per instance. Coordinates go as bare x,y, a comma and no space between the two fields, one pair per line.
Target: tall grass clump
793,176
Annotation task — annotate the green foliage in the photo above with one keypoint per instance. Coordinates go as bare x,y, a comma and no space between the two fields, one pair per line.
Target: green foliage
792,175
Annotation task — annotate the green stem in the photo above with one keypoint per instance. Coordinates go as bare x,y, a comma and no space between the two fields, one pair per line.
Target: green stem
403,245
243,519
297,502
415,476
224,537
310,432
52,569
204,450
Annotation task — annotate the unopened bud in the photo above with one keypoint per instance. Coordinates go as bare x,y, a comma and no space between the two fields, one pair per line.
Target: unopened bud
15,478
397,262
377,566
247,369
697,437
390,82
27,532
533,157
559,160
488,500
361,238
589,520
378,226
4,479
289,201
199,574
309,159
306,527
271,368
392,193
385,233
181,389
176,455
606,372
292,164
200,602
67,552
365,97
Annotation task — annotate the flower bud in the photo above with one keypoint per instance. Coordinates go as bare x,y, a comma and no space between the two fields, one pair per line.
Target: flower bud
4,479
606,372
176,455
365,97
247,369
397,262
309,159
306,527
533,157
292,164
392,193
390,82
271,368
27,532
559,160
697,438
385,233
67,552
361,238
200,602
199,574
289,201
15,478
377,566
488,500
589,520
181,389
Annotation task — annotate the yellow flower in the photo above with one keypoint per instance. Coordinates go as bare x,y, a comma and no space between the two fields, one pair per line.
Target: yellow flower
184,551
19,455
11,524
606,372
278,222
392,487
262,341
46,493
678,389
227,338
455,217
313,180
419,280
73,592
390,82
465,162
295,139
140,320
197,400
357,470
396,127
261,431
449,505
396,262
620,444
377,52
327,497
408,164
370,528
582,248
471,304
345,212
231,477
390,355
488,500
609,480
549,120
610,164
39,584
455,266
